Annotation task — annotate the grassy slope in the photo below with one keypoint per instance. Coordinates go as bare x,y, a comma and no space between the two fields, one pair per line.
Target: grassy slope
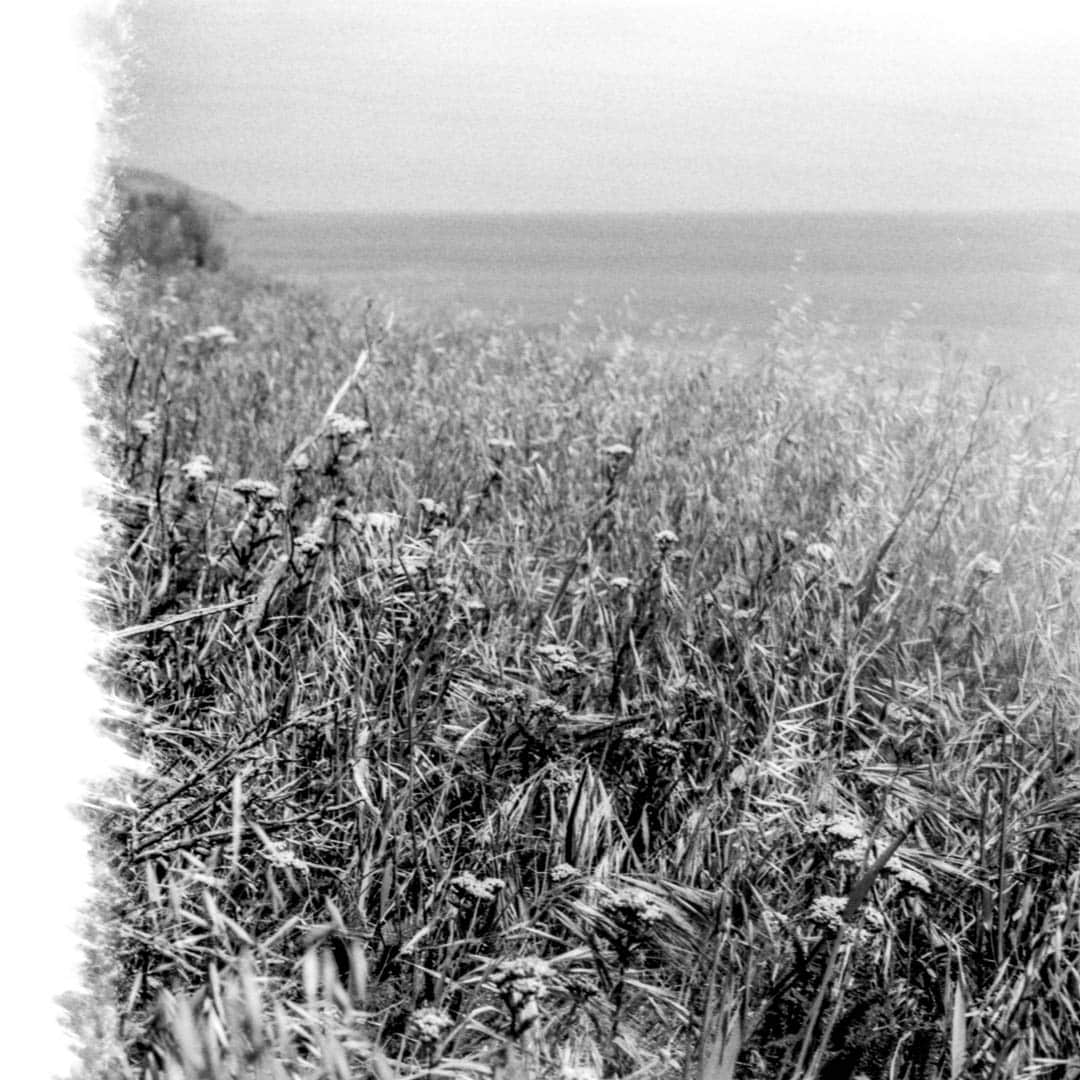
750,686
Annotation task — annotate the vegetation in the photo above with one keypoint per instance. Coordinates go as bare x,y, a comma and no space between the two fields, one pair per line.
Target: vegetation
163,225
573,706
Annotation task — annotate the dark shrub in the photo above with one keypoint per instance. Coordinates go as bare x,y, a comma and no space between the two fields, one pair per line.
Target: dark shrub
164,230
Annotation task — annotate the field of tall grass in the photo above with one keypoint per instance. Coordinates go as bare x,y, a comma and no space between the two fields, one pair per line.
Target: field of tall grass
570,705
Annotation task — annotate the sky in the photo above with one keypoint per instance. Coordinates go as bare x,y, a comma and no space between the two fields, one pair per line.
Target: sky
609,105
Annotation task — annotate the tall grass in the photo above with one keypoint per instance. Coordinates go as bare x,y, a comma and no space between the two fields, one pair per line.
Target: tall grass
567,705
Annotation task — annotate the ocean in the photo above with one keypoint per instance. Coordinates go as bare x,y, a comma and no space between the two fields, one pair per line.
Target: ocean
1009,282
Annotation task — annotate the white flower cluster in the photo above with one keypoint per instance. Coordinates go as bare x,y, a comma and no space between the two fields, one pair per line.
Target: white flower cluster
212,337
147,424
428,1024
198,470
665,540
346,428
562,660
908,876
523,977
309,543
983,566
631,908
478,888
260,490
828,911
839,827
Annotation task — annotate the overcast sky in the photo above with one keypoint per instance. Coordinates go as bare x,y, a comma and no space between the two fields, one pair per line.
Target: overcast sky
624,105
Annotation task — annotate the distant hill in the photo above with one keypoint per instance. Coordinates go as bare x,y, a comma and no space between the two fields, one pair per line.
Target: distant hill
131,180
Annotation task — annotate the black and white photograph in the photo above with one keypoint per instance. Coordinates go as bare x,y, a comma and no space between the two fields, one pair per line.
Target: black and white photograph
580,541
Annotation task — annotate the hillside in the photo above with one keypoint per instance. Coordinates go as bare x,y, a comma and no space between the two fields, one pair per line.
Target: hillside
131,180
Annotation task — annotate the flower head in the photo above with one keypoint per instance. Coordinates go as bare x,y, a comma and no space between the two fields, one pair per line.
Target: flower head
347,428
907,876
984,567
828,911
468,884
309,543
146,425
821,552
198,469
665,540
523,977
428,1024
631,909
260,490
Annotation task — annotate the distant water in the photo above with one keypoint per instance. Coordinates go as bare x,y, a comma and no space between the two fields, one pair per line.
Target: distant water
1015,280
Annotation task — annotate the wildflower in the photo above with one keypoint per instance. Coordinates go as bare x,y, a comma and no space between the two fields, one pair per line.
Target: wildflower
309,543
301,463
821,552
435,510
738,777
563,872
198,469
382,522
428,1024
907,876
217,335
146,425
260,490
828,911
346,428
282,855
858,854
546,711
790,539
521,983
210,338
984,567
632,909
562,660
478,888
840,827
873,920
618,451
665,540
